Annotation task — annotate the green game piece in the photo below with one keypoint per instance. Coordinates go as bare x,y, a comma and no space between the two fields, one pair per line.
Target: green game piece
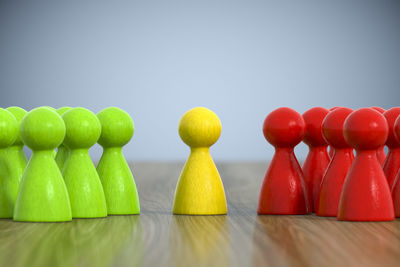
42,195
54,153
83,183
15,152
16,159
115,174
62,110
8,181
62,151
48,107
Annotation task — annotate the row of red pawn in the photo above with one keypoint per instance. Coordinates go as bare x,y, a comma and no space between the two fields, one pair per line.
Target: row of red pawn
361,188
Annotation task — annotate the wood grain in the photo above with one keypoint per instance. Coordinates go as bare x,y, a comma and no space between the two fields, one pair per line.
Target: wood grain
157,238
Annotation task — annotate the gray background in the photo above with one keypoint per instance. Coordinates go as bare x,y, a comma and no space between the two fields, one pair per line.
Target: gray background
158,59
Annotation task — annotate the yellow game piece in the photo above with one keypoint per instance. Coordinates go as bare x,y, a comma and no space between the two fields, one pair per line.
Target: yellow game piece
199,190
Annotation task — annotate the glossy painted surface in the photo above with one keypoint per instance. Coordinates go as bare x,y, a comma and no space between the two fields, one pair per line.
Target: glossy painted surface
62,150
83,183
199,190
9,181
15,153
396,183
392,162
380,152
379,109
366,194
42,130
283,190
317,159
331,151
116,177
333,179
381,155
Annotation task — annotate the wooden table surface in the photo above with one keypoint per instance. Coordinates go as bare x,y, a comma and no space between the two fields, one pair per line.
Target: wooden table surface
157,238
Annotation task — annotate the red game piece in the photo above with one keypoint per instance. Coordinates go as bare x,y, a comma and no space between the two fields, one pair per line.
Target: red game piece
332,182
331,151
396,183
380,152
392,162
317,160
366,194
283,190
379,109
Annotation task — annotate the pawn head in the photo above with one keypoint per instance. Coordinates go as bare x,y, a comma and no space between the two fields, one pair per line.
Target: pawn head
48,107
116,127
365,129
313,119
19,114
391,115
62,110
42,129
82,128
379,109
199,127
8,128
332,127
284,127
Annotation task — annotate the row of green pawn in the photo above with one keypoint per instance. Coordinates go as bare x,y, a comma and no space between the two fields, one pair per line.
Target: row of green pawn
56,188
